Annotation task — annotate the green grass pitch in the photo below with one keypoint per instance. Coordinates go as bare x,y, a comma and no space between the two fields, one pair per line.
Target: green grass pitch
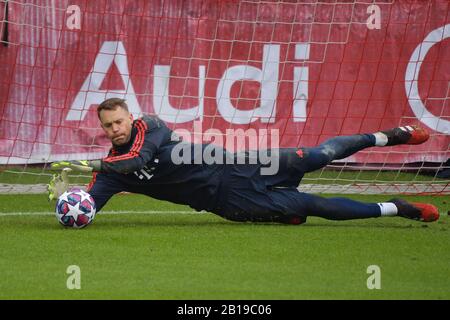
139,248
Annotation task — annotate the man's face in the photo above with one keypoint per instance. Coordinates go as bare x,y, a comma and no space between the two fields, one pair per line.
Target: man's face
117,125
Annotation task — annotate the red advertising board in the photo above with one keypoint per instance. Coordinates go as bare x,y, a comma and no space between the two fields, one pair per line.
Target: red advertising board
309,70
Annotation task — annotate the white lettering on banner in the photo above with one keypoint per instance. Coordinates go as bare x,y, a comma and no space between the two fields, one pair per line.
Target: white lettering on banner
90,93
114,52
301,76
267,77
161,102
412,80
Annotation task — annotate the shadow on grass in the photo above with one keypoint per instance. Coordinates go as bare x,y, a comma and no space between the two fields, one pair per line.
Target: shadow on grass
234,225
104,222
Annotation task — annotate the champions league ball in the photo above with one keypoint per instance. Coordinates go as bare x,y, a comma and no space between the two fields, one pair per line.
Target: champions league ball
75,208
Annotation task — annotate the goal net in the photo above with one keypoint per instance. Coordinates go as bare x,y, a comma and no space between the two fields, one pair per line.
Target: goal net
242,74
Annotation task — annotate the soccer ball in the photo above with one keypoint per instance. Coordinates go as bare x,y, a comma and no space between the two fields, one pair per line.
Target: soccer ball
75,208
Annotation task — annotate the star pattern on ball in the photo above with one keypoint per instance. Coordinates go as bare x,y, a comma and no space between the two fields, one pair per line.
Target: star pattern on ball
76,209
87,196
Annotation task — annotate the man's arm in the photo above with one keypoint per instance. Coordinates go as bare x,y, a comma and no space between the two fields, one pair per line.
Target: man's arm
102,188
151,134
58,184
77,165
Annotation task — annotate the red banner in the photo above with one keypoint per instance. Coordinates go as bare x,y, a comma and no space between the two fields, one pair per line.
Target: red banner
309,70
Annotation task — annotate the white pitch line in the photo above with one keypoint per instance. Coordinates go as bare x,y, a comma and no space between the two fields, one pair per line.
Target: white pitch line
45,213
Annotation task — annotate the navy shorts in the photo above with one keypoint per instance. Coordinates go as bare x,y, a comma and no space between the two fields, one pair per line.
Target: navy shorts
249,195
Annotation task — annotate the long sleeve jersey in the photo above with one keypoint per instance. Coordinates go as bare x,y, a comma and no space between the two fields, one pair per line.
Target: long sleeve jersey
146,165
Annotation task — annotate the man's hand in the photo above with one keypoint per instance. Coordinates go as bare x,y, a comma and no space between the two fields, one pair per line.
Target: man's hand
77,165
58,185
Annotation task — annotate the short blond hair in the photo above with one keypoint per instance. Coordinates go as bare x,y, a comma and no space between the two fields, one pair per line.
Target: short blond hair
111,104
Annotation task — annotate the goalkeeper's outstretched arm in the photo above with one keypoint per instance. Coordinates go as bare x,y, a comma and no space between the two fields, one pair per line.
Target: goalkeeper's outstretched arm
58,184
101,188
151,133
60,181
76,165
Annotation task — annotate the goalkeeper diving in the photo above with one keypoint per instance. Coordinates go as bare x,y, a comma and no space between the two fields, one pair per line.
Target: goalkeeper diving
140,161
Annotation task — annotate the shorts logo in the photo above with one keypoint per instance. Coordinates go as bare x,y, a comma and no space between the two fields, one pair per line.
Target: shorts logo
300,153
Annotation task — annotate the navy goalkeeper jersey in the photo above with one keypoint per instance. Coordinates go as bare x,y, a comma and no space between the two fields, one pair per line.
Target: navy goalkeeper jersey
144,165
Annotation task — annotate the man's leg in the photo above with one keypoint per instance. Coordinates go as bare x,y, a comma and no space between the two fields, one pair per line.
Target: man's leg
289,206
297,205
333,149
293,163
343,146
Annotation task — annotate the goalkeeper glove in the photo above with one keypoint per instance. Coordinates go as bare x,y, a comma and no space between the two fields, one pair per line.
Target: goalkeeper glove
58,184
83,165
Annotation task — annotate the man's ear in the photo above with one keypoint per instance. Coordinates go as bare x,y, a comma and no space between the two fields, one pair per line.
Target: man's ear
131,117
100,120
101,124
